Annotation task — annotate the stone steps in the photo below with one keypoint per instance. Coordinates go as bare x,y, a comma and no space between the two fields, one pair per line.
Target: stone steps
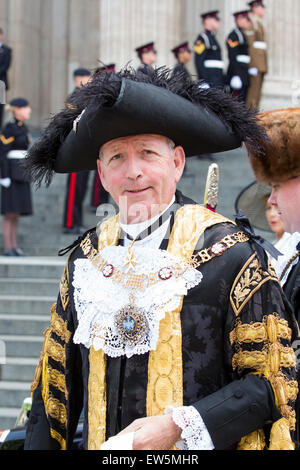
28,288
25,286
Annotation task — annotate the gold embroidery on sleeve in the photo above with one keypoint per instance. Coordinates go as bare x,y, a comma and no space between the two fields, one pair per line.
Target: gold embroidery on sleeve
64,288
249,280
59,326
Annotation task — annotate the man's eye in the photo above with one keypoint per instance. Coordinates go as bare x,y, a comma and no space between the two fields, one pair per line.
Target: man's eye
116,157
148,152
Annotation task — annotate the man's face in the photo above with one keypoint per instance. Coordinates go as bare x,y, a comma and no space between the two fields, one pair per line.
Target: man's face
81,81
212,24
259,11
184,57
243,22
140,173
149,58
286,196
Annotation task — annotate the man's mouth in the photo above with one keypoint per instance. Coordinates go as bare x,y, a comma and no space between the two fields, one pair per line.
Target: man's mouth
136,191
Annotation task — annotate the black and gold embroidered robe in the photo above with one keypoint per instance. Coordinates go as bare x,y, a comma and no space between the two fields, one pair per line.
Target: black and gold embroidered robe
235,363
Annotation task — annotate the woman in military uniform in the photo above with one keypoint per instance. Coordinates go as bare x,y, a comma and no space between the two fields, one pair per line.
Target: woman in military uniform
16,194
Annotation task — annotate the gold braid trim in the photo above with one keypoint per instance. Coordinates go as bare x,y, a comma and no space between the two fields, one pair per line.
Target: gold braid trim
56,410
55,435
59,326
269,363
109,236
57,380
56,351
39,367
254,441
258,332
280,438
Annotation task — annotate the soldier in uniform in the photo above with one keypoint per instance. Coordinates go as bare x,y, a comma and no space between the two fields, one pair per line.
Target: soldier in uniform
258,54
147,55
238,55
170,325
16,198
5,62
77,183
208,54
183,55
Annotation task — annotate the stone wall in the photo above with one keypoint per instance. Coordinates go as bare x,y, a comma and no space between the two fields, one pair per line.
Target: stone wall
50,38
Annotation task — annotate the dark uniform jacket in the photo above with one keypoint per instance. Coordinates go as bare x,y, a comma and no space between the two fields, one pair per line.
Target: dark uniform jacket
16,198
144,68
239,60
5,61
225,321
208,59
181,69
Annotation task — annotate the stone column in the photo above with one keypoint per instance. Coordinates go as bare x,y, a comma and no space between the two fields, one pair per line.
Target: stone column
83,41
126,25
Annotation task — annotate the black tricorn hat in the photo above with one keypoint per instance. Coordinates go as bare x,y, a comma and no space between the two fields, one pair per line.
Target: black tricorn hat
129,103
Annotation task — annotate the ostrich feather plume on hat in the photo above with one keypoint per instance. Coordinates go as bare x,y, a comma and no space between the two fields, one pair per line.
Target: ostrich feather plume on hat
127,103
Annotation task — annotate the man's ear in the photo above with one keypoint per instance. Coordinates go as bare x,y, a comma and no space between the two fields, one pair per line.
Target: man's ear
100,173
179,160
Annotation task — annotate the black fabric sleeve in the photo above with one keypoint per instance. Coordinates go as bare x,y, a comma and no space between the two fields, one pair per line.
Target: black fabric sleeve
237,410
38,435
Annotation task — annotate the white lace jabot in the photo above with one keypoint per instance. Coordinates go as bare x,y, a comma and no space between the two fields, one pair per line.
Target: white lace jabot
102,298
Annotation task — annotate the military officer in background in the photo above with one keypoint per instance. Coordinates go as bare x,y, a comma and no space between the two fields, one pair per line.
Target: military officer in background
5,61
238,55
258,54
208,54
147,55
77,183
183,55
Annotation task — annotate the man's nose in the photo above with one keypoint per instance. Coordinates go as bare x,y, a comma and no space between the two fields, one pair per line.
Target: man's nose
272,199
133,166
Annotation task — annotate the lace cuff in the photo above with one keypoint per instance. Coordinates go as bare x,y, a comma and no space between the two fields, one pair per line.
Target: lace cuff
194,432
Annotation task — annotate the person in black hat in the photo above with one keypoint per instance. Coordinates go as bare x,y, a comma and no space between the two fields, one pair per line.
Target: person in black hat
183,55
208,53
77,182
147,55
238,55
258,51
155,328
5,63
15,187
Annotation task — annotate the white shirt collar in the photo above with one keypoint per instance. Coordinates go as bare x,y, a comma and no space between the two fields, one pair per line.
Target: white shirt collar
135,229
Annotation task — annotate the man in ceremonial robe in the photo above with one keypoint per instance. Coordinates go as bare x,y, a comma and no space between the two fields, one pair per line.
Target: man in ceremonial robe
170,326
